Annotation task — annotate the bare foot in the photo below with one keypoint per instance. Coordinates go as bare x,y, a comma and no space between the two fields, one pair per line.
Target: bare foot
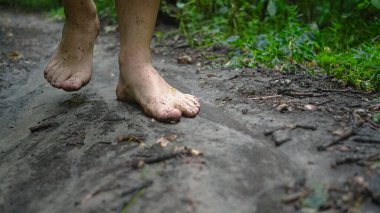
70,67
142,84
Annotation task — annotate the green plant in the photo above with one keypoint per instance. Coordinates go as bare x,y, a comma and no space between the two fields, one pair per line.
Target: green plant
340,37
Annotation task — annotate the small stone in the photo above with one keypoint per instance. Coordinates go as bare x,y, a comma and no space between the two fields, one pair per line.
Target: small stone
244,111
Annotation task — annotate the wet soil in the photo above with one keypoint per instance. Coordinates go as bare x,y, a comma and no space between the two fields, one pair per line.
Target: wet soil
265,141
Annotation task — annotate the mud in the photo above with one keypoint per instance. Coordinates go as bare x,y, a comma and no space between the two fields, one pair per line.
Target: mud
59,153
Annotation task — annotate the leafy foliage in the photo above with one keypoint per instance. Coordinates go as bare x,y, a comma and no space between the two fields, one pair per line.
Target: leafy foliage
341,37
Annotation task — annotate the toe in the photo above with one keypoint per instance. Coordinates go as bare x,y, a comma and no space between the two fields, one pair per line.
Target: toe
49,71
75,82
165,114
188,108
193,99
57,80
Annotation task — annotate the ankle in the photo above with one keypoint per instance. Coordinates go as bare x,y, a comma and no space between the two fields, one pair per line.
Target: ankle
137,60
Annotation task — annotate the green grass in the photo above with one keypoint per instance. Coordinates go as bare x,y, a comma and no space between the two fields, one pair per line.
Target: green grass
340,38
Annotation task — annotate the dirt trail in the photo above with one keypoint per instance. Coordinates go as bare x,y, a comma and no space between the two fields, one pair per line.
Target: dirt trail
260,153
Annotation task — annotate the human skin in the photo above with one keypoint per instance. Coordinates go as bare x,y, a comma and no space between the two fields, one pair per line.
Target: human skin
70,67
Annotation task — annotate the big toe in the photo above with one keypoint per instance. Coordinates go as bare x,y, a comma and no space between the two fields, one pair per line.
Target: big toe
166,114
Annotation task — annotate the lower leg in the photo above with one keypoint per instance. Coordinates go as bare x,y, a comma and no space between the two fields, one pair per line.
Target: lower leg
139,80
70,67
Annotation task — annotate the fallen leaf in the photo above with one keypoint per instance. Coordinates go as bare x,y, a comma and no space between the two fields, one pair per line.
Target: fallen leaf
14,55
185,59
194,152
138,164
283,108
141,145
343,148
375,107
211,75
310,107
338,132
164,141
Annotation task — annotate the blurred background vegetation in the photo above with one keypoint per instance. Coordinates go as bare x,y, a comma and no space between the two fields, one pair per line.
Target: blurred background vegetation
340,38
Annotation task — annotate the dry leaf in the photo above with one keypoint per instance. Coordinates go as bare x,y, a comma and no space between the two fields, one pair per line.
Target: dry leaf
375,107
185,59
138,164
195,152
14,55
211,75
338,132
283,108
164,141
142,146
310,107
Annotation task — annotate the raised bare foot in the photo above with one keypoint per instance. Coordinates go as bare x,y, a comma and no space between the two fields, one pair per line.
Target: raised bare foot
140,83
70,67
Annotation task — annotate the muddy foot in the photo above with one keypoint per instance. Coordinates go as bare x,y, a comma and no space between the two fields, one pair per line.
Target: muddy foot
70,67
143,85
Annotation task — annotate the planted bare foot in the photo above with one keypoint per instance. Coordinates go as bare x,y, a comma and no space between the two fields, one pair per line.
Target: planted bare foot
140,83
70,67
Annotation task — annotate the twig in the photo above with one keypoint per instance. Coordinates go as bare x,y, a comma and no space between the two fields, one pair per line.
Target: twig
343,137
343,91
300,94
374,157
325,102
373,124
292,126
280,142
42,127
367,140
357,159
143,185
267,97
53,116
93,194
129,138
348,160
296,196
89,196
38,106
140,162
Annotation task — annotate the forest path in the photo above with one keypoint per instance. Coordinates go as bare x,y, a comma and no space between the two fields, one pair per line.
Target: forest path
260,153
